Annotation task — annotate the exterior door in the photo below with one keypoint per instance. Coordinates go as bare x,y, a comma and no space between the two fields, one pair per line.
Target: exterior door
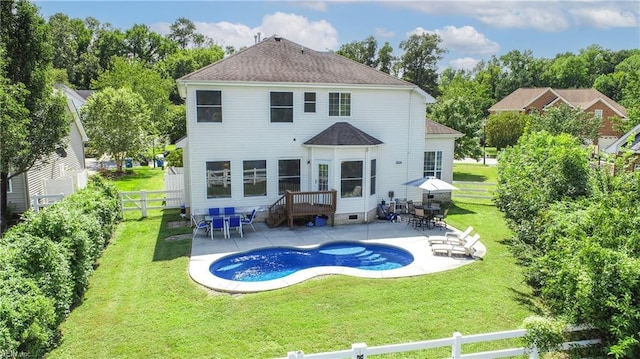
321,181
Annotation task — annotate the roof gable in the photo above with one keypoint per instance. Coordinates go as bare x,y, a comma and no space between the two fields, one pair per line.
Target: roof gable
343,134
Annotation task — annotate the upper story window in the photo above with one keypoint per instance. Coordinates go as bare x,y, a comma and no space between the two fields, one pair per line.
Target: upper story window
433,164
339,104
281,106
309,102
208,106
597,113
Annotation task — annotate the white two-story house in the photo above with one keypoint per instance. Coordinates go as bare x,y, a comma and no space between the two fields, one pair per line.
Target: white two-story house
278,116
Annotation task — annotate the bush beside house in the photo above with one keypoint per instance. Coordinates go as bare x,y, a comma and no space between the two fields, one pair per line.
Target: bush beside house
46,262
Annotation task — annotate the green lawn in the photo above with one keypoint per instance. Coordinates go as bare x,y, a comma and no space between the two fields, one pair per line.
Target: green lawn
142,303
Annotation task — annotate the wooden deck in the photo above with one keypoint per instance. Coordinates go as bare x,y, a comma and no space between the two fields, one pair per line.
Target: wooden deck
302,204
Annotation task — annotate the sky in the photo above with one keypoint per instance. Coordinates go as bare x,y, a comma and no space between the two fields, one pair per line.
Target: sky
471,30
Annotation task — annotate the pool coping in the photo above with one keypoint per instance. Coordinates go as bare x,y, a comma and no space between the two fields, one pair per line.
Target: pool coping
424,263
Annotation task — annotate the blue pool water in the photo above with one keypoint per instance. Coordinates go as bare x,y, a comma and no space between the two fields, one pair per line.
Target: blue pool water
273,263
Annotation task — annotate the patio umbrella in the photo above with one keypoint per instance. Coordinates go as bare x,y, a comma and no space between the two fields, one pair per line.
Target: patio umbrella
431,184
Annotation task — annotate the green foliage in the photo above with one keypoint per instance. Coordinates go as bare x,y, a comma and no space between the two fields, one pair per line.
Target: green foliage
545,333
418,64
41,260
363,51
540,170
565,119
175,158
27,317
462,106
115,121
505,128
45,264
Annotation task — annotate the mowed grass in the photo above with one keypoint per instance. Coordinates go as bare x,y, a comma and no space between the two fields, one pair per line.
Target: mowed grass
142,303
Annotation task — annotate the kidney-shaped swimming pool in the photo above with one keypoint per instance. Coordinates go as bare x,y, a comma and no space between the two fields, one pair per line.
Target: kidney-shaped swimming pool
278,262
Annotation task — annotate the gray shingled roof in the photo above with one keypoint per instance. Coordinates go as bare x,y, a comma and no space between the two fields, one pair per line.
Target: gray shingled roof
343,134
581,98
276,59
434,128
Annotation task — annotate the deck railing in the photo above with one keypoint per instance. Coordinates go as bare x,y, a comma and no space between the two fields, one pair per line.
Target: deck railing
301,204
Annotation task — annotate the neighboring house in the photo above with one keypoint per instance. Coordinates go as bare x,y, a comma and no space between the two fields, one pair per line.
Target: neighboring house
63,171
278,116
589,100
631,142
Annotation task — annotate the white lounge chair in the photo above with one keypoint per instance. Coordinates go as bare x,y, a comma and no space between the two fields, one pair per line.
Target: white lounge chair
451,238
449,249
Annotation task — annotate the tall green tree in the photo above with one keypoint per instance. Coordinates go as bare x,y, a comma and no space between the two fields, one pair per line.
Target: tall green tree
116,121
520,69
143,44
41,123
419,63
569,120
462,106
505,128
363,52
567,71
386,58
145,81
182,32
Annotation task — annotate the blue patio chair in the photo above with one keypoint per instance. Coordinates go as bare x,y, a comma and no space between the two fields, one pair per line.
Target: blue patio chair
234,222
218,223
249,220
229,211
214,211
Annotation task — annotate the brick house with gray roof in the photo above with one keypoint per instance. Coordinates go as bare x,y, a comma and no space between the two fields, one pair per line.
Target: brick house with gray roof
279,116
590,100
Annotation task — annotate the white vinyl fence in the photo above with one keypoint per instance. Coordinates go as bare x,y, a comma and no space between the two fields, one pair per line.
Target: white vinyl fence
361,350
174,181
58,188
143,200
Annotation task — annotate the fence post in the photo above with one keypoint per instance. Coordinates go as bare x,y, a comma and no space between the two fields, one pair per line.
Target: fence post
534,352
143,202
456,348
359,351
295,355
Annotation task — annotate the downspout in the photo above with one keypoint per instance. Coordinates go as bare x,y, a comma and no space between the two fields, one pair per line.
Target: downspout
406,177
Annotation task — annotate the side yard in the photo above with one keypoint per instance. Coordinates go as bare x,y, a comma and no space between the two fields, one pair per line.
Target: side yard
142,303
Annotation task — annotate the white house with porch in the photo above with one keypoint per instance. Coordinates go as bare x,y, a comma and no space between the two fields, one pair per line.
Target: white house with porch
278,117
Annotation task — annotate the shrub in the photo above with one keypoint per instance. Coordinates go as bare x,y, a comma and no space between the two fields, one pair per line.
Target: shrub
175,158
27,317
41,260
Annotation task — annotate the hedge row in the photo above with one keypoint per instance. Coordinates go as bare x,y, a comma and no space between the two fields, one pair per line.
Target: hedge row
46,262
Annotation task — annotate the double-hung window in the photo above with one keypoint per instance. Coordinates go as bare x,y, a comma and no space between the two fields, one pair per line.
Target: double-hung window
433,164
218,179
288,176
281,106
339,104
309,102
351,179
373,177
255,178
208,106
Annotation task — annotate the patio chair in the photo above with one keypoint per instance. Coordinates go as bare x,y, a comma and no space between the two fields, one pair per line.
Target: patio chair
384,214
214,211
451,237
418,219
439,219
200,224
249,220
218,223
234,222
450,249
229,211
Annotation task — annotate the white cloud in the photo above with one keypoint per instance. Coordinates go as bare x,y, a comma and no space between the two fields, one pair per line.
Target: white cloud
386,33
320,6
605,17
465,63
464,40
317,35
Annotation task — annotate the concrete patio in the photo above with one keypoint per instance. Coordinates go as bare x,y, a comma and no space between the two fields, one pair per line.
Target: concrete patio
205,251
